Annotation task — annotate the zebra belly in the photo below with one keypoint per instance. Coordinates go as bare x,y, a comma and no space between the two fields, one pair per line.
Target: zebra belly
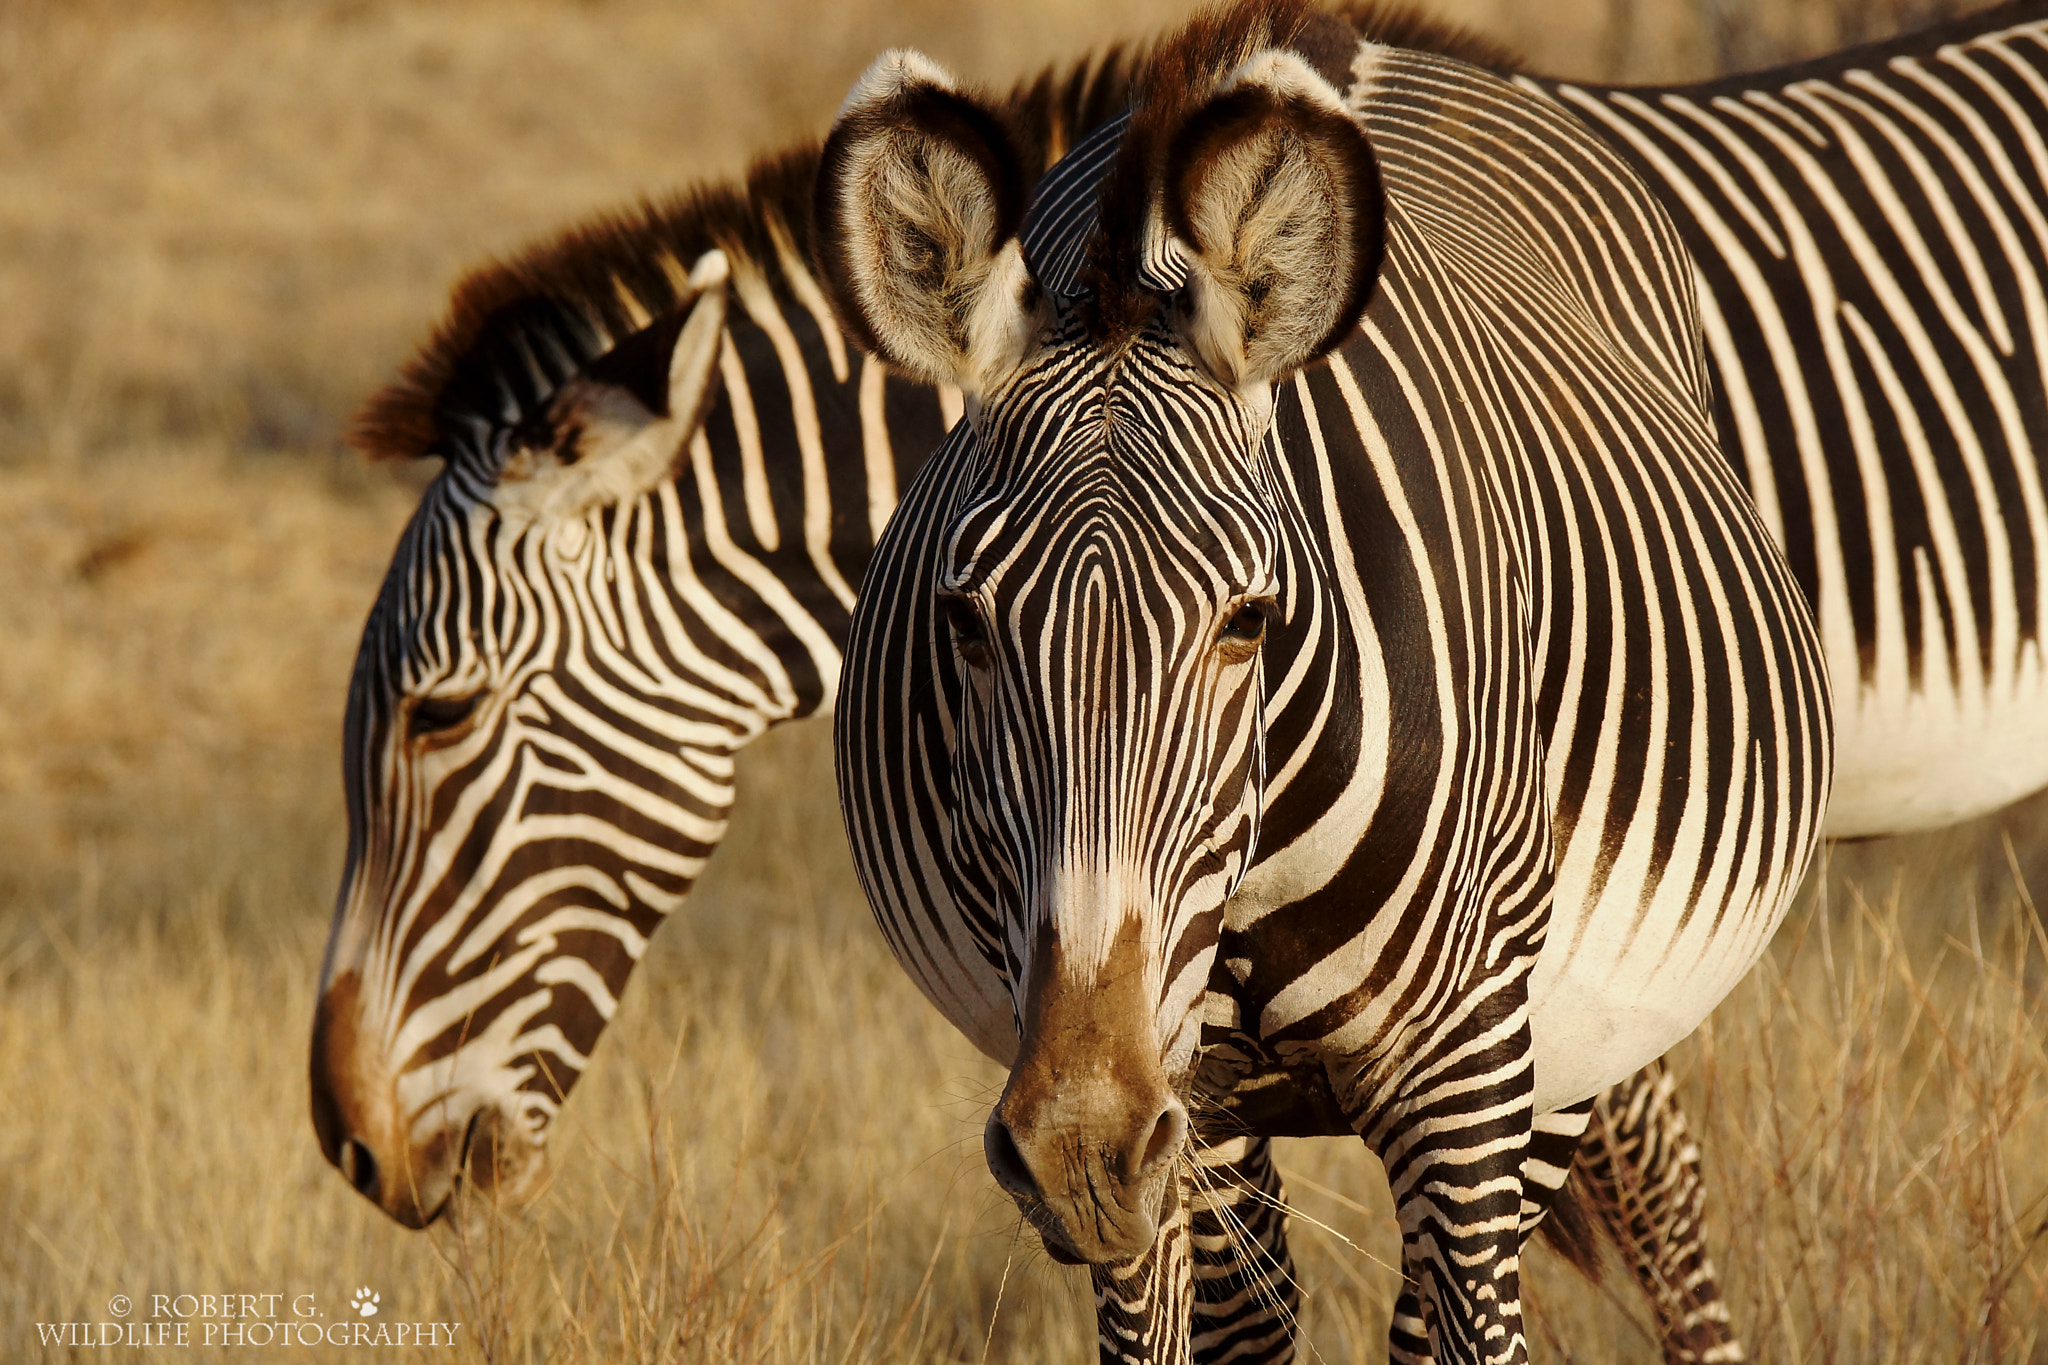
1911,759
1616,987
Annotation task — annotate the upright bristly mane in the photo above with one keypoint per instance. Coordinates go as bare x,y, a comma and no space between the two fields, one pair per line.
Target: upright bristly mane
576,304
1178,76
581,302
517,330
1402,25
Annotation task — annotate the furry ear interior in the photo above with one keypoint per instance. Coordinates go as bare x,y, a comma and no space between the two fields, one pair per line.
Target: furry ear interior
616,431
919,197
1272,196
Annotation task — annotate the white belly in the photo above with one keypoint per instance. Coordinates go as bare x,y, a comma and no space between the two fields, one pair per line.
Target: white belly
1621,979
1909,761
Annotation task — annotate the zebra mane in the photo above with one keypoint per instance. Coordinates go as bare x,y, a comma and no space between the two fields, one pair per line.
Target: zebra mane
606,298
1403,25
1173,82
516,330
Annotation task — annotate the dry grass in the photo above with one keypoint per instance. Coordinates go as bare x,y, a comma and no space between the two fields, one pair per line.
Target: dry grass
219,224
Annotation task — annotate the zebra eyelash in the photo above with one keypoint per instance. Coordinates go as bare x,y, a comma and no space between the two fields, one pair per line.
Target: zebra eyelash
963,623
430,716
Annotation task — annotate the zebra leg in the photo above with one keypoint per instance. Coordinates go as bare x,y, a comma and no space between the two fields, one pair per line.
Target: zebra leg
1641,1173
1456,1174
1247,1300
1553,1139
1142,1306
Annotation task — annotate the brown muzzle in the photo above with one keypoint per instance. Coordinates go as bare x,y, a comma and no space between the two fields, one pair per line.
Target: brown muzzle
411,1170
1087,1131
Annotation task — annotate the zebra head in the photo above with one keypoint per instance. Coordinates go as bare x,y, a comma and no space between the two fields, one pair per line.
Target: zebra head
524,801
1113,564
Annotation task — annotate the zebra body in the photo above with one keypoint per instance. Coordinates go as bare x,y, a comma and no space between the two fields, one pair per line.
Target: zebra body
1532,758
1871,234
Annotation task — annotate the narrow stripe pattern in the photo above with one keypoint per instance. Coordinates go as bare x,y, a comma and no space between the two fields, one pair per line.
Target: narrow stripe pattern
1655,1221
542,725
1871,237
1868,233
1540,733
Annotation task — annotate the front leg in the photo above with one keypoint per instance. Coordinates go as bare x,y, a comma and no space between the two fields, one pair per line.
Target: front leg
1143,1307
1247,1301
1453,1141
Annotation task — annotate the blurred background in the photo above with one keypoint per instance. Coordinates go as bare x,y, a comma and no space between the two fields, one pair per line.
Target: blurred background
222,225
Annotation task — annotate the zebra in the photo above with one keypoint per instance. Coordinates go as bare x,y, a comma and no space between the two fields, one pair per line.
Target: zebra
664,469
513,339
514,840
1869,232
1442,720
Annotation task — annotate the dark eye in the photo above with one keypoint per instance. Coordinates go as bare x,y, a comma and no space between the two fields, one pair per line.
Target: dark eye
437,715
1247,625
963,623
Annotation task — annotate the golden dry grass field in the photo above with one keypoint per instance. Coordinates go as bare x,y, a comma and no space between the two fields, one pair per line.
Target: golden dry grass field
221,224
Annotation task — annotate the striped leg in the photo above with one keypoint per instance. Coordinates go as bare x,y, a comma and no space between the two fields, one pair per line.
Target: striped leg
1408,1335
1247,1300
1456,1175
1142,1307
1553,1138
1642,1177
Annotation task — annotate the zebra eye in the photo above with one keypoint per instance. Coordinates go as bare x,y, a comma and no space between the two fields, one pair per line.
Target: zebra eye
438,715
963,622
1247,625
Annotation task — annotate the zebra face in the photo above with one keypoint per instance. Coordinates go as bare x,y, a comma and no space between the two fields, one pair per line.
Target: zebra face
525,802
1112,568
1106,594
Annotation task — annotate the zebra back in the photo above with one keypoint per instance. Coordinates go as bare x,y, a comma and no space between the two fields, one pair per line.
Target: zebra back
1870,231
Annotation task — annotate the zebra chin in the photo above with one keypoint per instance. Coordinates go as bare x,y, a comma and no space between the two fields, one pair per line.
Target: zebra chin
464,1144
1104,1212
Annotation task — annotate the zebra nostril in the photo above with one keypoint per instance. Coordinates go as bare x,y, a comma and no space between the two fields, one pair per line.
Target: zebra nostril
359,1168
1168,1131
1006,1160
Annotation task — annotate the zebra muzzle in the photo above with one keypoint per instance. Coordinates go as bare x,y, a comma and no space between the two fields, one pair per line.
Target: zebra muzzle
1091,1178
410,1163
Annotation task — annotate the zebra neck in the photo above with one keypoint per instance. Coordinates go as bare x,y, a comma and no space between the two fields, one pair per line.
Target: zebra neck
779,496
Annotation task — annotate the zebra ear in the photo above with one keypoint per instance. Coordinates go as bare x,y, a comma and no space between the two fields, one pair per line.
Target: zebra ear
919,197
1272,197
616,430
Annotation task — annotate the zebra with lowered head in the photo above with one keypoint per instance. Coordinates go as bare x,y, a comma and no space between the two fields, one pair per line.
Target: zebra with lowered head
1441,720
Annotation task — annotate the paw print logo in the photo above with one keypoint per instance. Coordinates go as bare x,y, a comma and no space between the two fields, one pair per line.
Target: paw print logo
365,1302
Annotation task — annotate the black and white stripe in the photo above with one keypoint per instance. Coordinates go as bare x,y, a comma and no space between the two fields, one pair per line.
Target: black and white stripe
549,697
1871,236
1738,201
1544,723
